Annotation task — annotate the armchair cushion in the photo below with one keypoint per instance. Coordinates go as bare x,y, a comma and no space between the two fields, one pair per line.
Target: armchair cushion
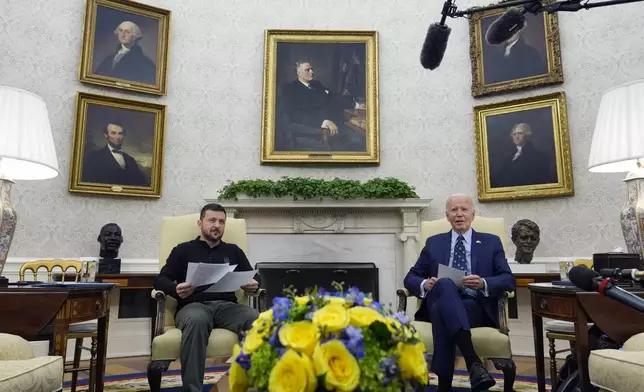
21,371
618,370
488,342
14,347
167,346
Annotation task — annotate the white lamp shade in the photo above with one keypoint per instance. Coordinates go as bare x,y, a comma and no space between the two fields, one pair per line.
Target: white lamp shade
26,144
618,140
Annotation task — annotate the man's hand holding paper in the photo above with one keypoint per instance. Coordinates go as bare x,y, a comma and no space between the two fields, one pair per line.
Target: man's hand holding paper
455,275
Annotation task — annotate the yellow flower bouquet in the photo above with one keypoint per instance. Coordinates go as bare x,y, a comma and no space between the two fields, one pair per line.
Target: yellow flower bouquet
329,341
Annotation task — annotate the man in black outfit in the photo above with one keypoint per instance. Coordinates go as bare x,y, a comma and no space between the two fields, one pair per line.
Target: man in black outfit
200,312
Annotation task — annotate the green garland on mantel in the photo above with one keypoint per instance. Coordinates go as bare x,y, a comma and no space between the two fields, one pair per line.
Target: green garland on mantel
309,188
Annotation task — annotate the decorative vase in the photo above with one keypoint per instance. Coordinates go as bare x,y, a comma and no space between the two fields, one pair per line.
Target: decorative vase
632,214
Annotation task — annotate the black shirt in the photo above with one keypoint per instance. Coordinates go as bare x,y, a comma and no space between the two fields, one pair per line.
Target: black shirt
198,251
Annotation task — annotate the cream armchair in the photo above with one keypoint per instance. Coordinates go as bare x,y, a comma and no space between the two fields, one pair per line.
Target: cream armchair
489,343
167,337
618,370
21,371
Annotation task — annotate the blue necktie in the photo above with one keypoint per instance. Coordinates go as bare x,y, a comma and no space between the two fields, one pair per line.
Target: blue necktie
460,262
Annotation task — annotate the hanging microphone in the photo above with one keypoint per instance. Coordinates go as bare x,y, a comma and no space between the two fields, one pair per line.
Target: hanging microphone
632,274
507,25
589,280
435,43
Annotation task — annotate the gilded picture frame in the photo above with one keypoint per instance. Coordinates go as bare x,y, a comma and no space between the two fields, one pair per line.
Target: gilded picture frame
530,59
320,97
117,147
523,149
125,46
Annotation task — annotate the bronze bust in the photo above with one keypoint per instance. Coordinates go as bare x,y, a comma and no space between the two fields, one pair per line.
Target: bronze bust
111,239
526,237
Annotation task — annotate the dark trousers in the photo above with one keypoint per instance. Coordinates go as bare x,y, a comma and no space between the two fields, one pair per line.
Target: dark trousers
196,320
451,312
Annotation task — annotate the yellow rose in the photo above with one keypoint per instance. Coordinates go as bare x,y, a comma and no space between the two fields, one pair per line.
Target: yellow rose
363,317
335,300
292,372
412,361
255,338
237,380
301,336
265,319
339,368
334,317
299,301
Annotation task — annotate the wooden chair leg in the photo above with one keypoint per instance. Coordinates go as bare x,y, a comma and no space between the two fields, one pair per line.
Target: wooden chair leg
553,361
78,349
92,364
509,369
155,372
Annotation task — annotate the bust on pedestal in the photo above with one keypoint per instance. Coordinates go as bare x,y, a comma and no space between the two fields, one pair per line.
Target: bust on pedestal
526,237
110,238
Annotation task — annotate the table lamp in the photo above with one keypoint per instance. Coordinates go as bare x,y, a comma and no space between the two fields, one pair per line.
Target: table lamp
26,153
618,146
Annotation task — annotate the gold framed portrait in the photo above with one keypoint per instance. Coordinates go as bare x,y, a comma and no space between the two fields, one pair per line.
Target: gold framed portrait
320,97
523,149
125,46
530,58
117,148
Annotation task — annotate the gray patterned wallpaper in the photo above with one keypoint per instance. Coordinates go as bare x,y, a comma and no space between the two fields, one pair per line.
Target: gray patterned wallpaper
214,105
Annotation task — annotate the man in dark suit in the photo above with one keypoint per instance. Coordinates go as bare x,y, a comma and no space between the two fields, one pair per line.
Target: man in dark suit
453,310
512,60
308,112
128,60
110,165
523,164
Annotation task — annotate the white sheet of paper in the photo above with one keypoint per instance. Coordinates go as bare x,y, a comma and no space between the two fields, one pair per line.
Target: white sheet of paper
207,273
454,274
232,281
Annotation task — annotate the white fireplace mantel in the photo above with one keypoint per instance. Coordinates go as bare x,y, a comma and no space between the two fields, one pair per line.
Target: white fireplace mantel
383,231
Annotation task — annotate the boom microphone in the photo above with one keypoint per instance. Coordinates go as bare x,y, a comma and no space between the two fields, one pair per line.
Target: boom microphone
589,280
435,43
507,25
617,273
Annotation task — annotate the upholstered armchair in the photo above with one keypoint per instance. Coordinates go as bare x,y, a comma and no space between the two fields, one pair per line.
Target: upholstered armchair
489,343
22,371
167,337
618,370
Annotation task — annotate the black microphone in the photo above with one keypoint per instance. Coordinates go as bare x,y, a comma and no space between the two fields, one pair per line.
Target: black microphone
435,43
632,274
589,280
507,25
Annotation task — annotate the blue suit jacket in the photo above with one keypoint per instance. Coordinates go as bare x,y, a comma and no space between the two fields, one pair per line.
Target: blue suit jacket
488,261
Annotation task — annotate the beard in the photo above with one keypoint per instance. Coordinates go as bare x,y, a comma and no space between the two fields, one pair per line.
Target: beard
211,235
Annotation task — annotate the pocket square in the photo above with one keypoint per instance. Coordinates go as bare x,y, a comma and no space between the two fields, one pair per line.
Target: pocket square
478,241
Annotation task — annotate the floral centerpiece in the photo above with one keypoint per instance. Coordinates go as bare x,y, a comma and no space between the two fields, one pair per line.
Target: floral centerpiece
329,341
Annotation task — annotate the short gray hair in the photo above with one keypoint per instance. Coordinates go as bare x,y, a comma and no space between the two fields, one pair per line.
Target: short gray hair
457,195
527,130
299,63
136,31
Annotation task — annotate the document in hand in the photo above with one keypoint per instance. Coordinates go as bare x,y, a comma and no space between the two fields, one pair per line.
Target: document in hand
232,281
200,274
454,274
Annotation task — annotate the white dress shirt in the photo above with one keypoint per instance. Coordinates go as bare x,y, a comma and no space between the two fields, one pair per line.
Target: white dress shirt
467,242
117,157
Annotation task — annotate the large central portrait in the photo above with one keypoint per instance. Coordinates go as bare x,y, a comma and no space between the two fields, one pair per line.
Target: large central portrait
320,97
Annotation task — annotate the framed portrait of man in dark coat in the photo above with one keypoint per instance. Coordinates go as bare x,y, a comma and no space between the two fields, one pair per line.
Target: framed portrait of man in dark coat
530,58
117,147
125,46
320,97
523,149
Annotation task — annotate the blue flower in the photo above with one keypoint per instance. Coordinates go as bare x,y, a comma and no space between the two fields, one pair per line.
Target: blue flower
389,369
353,341
376,305
243,360
275,339
401,317
281,308
280,351
309,316
356,296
